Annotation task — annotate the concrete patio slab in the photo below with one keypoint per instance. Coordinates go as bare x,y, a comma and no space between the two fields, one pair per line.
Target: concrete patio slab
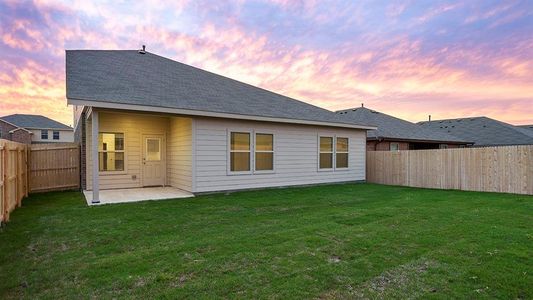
136,194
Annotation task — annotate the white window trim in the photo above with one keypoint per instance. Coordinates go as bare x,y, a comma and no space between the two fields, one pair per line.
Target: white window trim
347,152
252,141
158,138
334,153
332,136
120,172
47,135
58,135
252,133
273,152
397,144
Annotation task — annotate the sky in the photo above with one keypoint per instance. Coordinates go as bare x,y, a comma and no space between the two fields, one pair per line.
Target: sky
410,59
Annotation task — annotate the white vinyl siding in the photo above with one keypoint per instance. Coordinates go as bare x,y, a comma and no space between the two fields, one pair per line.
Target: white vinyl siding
295,161
65,136
180,153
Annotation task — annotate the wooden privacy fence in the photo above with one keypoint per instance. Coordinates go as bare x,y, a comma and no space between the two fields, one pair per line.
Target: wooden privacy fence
14,176
506,169
35,168
54,167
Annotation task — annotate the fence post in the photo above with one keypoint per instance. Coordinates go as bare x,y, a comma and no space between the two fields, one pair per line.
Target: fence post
4,188
19,178
27,169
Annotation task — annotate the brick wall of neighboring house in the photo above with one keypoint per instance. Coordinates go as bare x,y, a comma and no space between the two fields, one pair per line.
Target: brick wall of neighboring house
80,138
20,136
5,128
384,145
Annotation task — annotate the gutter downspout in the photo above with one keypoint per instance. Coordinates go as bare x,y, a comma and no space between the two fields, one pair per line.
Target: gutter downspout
379,141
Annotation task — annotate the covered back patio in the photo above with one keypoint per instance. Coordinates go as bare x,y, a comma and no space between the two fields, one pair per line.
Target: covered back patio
137,156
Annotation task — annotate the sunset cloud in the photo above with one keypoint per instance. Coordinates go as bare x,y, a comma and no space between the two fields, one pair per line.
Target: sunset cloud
447,59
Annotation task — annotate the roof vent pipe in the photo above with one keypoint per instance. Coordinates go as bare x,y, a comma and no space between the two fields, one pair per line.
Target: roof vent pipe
143,50
429,118
362,105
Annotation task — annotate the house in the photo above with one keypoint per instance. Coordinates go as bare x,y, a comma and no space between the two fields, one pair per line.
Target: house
529,127
34,129
393,134
483,131
145,120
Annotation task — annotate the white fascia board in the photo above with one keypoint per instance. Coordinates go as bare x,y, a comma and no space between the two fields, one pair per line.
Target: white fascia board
211,114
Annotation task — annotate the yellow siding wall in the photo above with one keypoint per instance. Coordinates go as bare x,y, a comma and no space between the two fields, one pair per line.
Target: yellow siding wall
179,147
133,126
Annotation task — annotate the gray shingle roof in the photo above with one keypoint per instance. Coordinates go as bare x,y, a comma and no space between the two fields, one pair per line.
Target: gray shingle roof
483,131
127,77
529,127
390,127
34,121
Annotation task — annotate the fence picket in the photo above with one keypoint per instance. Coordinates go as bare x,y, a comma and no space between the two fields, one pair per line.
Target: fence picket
35,168
506,169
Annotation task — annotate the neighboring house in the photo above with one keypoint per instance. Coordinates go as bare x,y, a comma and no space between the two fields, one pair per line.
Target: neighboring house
482,131
14,133
28,129
145,120
395,134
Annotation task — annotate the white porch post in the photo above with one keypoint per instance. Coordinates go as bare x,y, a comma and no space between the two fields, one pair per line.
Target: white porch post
94,153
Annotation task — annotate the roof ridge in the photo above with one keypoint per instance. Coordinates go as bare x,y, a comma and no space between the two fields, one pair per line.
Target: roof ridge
452,119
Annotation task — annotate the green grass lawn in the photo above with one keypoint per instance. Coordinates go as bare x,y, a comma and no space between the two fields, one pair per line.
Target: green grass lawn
336,241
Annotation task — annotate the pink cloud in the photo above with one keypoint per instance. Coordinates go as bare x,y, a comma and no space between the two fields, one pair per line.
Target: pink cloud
393,75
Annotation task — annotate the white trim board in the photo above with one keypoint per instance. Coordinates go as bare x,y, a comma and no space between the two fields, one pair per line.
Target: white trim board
211,114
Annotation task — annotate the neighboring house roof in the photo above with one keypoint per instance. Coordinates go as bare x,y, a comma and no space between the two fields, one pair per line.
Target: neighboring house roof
34,122
102,78
483,131
20,128
16,128
393,128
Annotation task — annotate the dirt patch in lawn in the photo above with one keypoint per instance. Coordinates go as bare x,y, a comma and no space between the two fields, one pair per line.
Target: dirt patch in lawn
406,279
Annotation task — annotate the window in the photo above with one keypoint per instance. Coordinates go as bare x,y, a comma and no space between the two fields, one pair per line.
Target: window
153,149
326,153
44,134
341,153
264,152
55,135
111,151
443,146
394,147
240,152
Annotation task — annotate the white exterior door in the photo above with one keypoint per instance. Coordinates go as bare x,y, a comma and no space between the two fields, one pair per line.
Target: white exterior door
153,160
